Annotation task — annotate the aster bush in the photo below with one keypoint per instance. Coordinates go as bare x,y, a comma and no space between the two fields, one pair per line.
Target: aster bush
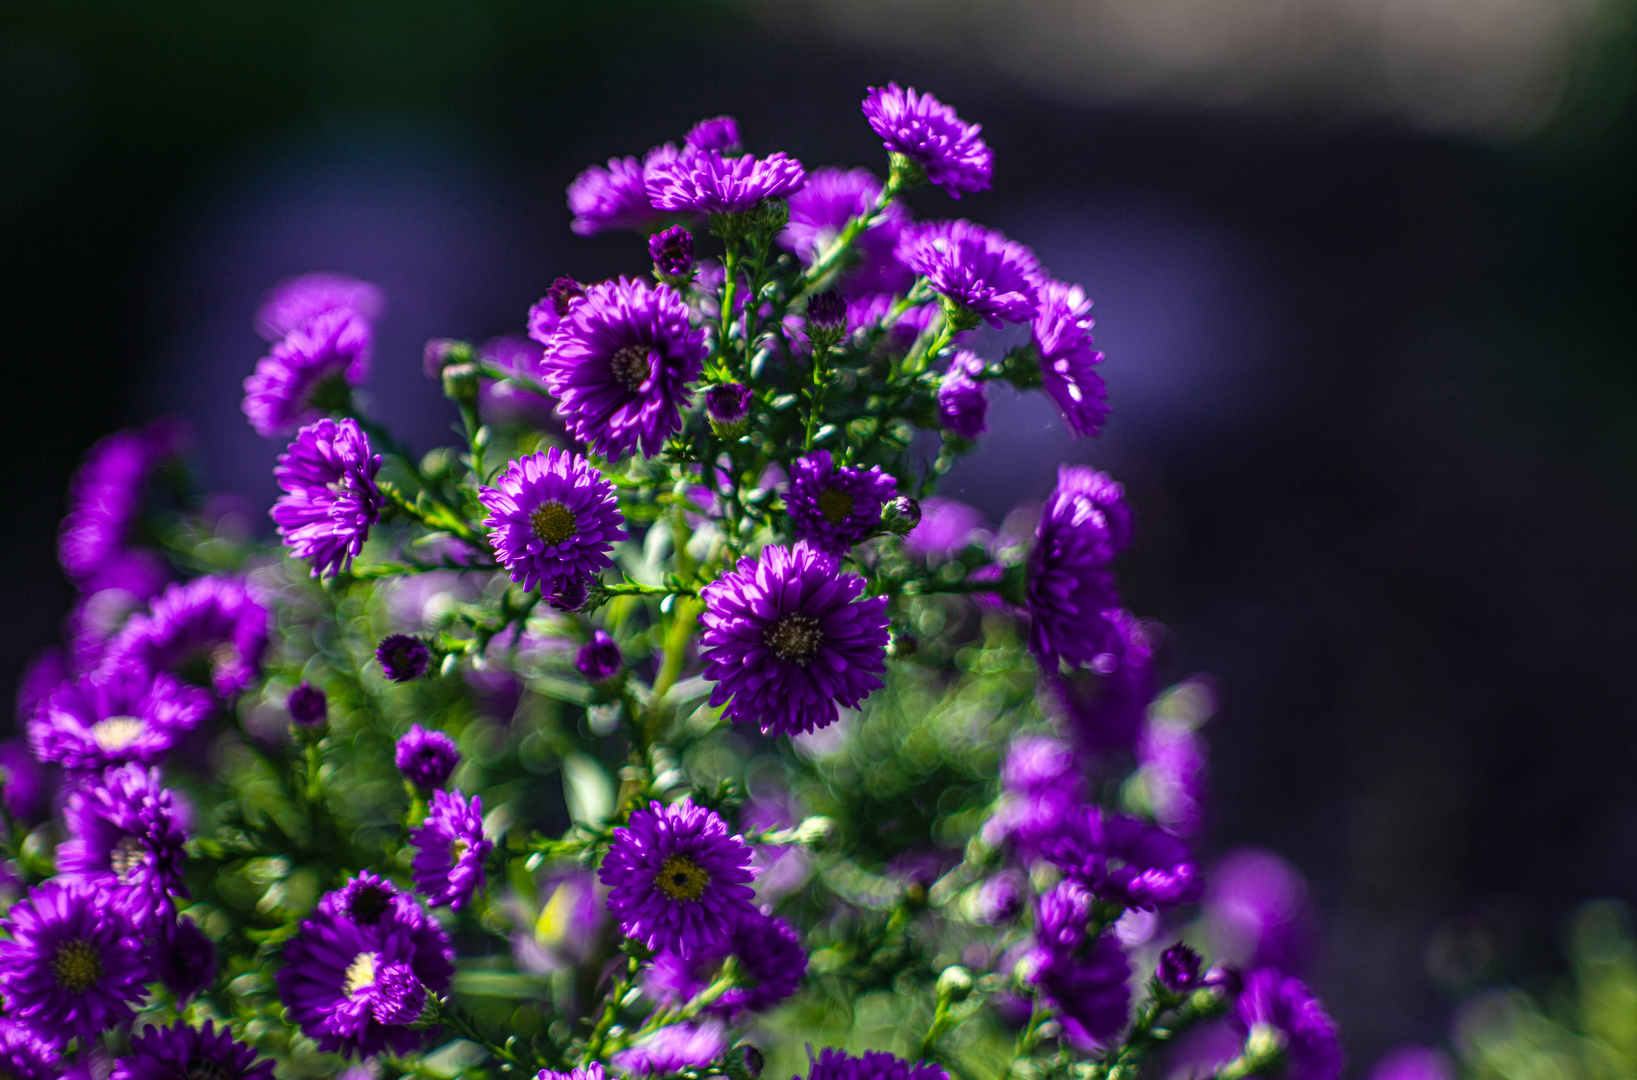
668,725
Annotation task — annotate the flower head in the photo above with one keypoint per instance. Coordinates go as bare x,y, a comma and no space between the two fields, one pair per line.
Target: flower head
674,1048
1171,770
599,659
963,404
403,658
307,706
620,364
616,197
873,1065
1256,911
946,527
1178,969
1123,860
1089,988
771,959
707,182
1082,527
552,517
164,1053
296,302
672,252
70,962
104,500
727,406
833,507
821,209
1105,701
426,758
718,133
593,1071
308,373
185,959
1068,364
331,980
330,499
450,849
787,639
24,1055
211,631
925,130
677,880
975,268
125,838
1311,1047
114,716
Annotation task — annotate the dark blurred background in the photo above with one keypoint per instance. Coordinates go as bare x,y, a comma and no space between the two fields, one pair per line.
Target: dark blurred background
1364,273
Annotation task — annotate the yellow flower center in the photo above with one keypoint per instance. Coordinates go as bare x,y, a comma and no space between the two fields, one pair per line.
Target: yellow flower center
361,973
117,732
795,637
630,367
77,965
126,856
681,878
835,505
553,522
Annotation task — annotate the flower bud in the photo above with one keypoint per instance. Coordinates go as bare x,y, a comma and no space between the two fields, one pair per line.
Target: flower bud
403,658
672,252
599,659
826,319
954,984
743,1062
727,407
1178,970
902,644
901,515
460,381
772,214
441,352
718,133
309,709
1263,1046
570,594
563,292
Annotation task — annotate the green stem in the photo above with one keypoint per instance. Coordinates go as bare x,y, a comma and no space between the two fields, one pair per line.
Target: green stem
832,255
453,1017
815,393
724,317
605,1020
1028,1038
435,515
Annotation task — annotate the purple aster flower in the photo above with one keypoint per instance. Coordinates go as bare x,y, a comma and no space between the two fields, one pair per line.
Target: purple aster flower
552,517
1284,1004
706,182
834,508
620,365
426,758
672,252
307,706
1171,767
403,658
925,130
1178,969
22,781
976,268
308,373
873,1065
185,960
717,133
599,659
296,302
1124,860
165,1053
674,1048
821,209
1061,916
450,850
116,716
616,197
1106,700
771,959
787,638
24,1055
70,962
727,407
1068,363
332,968
211,631
1256,911
677,880
1089,988
963,404
125,837
368,898
330,499
104,501
593,1071
946,527
400,999
1070,585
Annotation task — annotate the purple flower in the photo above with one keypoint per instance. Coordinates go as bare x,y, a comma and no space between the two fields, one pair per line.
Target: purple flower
185,960
707,182
307,706
1040,787
22,781
834,508
873,1065
116,716
976,268
999,899
718,133
593,1071
548,312
1171,767
820,210
104,501
672,252
928,132
165,1053
24,1055
963,404
1414,1063
1089,988
771,958
787,638
1271,1000
296,302
620,365
450,850
552,518
826,318
308,373
368,898
1068,363
727,406
1123,860
211,631
330,499
1082,527
1061,916
1178,969
677,880
400,999
403,658
332,968
1105,702
674,1048
124,837
570,594
599,659
71,962
946,527
426,758
616,197
1256,911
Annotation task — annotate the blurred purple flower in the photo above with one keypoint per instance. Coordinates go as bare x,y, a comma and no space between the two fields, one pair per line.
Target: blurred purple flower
820,210
295,302
946,527
1256,912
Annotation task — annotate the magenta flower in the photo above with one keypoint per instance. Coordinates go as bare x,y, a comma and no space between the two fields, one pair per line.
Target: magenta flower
925,130
426,758
553,518
308,373
450,850
821,209
1123,860
164,1053
211,631
105,500
1089,987
706,182
833,507
616,197
296,302
1068,363
873,1065
125,837
718,133
116,716
1083,525
330,499
25,1055
975,268
1312,1049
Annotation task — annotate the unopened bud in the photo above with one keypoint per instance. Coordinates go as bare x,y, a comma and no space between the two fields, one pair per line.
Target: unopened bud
309,710
1178,969
900,515
815,830
1263,1046
727,407
672,252
954,984
772,214
903,644
743,1062
826,319
441,352
460,381
563,292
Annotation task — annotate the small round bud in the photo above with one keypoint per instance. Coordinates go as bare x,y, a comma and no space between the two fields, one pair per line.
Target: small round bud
599,659
1178,969
826,319
727,407
308,707
955,983
743,1062
441,352
570,594
427,758
460,381
403,658
772,214
1263,1045
900,515
563,292
815,830
672,252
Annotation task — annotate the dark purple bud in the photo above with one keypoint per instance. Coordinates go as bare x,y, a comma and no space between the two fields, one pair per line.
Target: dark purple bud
672,252
728,405
900,515
1226,978
1178,969
564,291
185,959
718,133
599,659
403,658
827,314
570,594
426,758
308,706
